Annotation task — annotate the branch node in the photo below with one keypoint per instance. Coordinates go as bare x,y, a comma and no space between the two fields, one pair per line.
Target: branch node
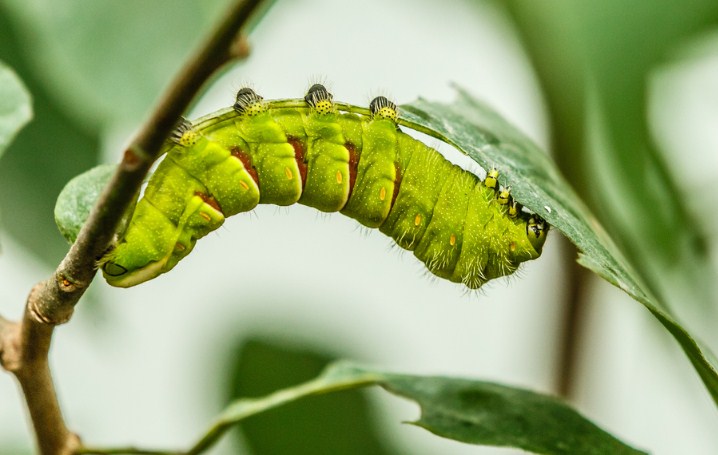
134,157
66,283
9,345
240,48
73,443
49,312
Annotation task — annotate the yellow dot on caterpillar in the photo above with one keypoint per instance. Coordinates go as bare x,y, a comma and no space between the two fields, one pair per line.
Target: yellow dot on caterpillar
243,185
188,138
512,247
452,240
388,113
256,109
288,173
382,193
417,220
339,177
179,247
324,107
205,216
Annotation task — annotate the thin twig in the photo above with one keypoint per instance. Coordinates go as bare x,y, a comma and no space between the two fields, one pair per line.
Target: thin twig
573,325
125,451
24,347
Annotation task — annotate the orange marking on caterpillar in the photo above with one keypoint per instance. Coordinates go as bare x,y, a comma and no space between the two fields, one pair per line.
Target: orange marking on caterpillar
298,147
246,160
209,200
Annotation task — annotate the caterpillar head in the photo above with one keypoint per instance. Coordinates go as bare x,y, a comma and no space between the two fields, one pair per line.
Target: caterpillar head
536,230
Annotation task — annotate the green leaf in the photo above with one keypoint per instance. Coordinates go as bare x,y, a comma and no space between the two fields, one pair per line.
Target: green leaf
78,197
15,106
466,410
596,67
536,183
337,424
485,413
46,154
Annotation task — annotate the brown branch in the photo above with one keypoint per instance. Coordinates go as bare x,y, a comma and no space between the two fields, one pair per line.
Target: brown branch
24,347
573,324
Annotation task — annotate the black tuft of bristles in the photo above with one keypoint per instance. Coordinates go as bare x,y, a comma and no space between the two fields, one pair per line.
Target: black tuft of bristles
317,93
183,125
245,98
379,103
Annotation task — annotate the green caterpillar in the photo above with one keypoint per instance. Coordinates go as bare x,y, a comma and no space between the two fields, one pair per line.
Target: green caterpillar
307,151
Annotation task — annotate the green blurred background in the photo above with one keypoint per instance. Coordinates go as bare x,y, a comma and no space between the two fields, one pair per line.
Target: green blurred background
625,95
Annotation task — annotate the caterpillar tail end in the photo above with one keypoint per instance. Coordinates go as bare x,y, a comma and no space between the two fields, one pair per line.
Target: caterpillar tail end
118,276
124,268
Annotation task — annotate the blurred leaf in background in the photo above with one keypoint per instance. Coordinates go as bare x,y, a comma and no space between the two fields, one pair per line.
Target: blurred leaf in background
331,424
594,60
15,106
106,60
39,162
91,67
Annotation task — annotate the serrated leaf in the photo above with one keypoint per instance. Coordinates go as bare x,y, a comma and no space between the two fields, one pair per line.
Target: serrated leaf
536,183
465,410
77,199
15,106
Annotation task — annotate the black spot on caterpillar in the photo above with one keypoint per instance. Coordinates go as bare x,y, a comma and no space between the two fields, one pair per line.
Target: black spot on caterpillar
283,152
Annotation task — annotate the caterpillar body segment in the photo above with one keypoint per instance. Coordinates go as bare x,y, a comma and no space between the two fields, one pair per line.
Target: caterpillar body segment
464,229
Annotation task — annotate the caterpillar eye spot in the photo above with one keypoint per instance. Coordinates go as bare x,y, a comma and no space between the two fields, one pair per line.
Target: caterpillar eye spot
113,269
